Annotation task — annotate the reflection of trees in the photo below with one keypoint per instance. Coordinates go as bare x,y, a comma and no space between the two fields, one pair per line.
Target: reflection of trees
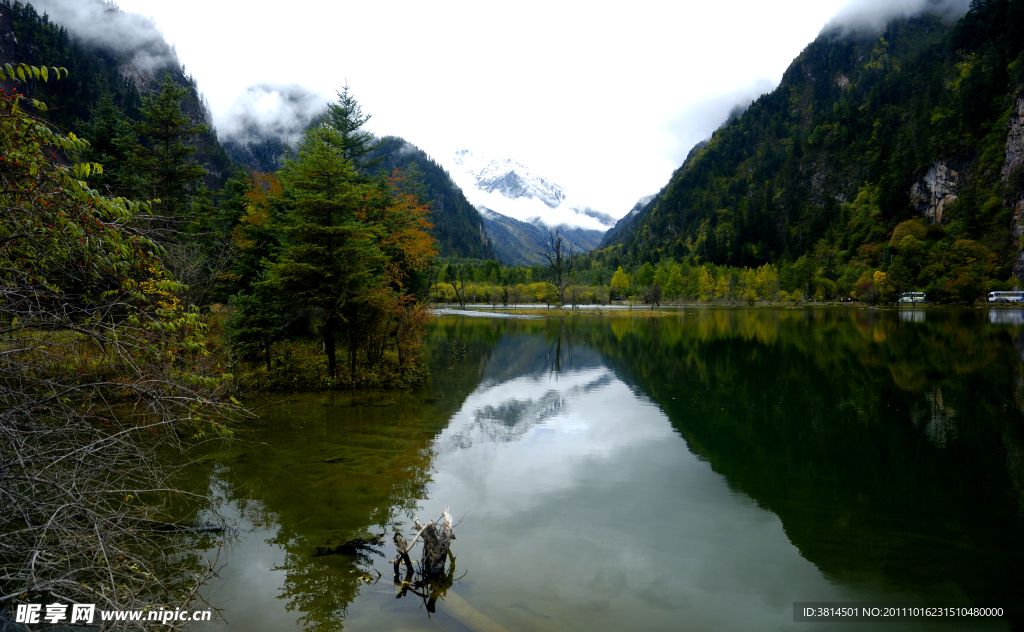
331,468
886,447
329,472
937,419
316,587
560,354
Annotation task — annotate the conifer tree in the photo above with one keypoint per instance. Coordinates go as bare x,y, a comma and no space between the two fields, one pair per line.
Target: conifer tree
258,323
344,249
256,228
166,157
354,143
112,143
330,261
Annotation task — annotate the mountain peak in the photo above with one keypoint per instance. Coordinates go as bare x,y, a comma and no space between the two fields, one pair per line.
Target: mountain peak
514,190
509,178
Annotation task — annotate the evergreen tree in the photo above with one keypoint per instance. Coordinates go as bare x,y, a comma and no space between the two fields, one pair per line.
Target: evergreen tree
166,157
112,143
348,252
354,143
256,228
330,261
258,322
646,276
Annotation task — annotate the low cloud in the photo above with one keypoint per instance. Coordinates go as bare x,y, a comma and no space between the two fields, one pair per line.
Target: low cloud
407,149
273,111
697,123
873,15
102,24
700,120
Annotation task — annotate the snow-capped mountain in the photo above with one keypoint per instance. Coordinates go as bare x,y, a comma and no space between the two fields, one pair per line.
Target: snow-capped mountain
510,188
509,178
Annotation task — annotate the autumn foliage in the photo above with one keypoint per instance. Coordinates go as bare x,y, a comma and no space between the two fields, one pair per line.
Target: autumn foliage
104,378
328,253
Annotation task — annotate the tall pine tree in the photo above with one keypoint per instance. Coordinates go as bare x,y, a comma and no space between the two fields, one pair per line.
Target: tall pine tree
330,261
113,143
354,143
172,176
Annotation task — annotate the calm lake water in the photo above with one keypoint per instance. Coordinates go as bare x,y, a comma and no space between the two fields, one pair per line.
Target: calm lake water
699,471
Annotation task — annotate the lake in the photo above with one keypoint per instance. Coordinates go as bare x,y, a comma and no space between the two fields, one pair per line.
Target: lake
698,470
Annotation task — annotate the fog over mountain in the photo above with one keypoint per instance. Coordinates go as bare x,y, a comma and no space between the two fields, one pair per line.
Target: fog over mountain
873,15
279,111
102,24
267,121
599,119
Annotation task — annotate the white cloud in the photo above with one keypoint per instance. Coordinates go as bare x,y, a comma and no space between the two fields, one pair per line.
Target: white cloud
602,98
283,111
875,14
96,22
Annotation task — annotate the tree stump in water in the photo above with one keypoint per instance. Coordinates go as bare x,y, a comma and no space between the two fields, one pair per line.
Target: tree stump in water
436,540
437,537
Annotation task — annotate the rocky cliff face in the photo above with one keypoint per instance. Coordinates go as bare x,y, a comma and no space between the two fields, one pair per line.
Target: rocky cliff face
935,191
1015,139
1014,162
8,42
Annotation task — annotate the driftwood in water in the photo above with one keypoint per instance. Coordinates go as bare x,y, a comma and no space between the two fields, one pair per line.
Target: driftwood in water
403,554
436,540
433,583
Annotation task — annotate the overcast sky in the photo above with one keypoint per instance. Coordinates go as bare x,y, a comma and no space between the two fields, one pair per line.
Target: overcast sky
603,98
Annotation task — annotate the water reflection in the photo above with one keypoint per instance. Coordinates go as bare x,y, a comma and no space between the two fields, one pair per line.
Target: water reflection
913,315
1006,317
886,449
701,470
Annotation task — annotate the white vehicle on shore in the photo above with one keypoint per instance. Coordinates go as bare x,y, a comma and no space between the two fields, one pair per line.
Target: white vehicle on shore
1015,296
912,297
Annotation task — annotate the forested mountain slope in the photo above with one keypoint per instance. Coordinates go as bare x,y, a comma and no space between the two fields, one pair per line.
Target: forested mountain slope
922,122
458,227
518,243
125,70
621,227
